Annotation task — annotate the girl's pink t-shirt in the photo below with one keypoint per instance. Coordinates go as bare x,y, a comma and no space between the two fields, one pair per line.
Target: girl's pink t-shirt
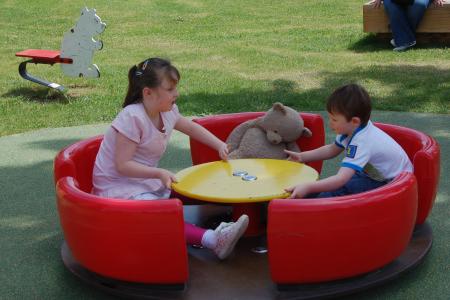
134,123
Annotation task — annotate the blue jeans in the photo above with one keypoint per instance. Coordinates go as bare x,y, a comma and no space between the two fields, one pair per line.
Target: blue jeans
360,182
404,20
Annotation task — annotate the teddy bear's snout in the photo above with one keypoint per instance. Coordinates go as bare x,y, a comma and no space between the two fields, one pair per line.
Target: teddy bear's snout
273,137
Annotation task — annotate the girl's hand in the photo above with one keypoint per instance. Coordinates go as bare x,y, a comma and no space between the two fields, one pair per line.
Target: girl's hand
223,151
298,191
166,177
294,156
376,3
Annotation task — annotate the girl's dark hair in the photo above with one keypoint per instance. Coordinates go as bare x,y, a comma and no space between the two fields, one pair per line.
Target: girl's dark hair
351,100
149,73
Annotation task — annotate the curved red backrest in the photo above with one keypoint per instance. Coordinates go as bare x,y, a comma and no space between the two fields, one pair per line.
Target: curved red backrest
316,240
424,153
138,241
222,125
77,161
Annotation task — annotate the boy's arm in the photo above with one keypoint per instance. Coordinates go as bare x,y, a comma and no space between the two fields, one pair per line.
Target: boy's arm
321,153
202,135
324,185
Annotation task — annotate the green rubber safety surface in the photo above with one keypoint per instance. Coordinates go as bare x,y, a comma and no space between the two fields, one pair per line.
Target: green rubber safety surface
30,235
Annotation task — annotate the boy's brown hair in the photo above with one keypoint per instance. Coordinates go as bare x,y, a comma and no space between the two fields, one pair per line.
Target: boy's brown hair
351,100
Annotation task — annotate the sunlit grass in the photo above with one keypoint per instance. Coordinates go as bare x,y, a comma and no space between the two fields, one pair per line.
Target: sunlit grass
233,56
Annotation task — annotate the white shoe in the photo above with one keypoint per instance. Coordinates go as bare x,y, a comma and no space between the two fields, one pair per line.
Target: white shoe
393,43
227,236
405,47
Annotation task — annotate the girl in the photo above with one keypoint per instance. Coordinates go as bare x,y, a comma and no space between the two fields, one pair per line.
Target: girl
127,162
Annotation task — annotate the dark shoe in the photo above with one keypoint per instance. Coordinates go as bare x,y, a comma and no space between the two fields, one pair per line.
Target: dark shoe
405,47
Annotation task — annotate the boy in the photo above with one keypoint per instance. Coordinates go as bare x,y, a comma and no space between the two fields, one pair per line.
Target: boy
372,158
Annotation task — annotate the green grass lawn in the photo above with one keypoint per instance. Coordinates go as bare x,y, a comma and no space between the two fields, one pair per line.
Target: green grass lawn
233,56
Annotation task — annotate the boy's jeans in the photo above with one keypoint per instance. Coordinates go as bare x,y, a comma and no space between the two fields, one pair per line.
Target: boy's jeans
360,182
404,20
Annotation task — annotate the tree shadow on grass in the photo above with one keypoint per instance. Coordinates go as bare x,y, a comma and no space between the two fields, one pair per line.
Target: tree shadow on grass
427,88
374,43
370,43
38,94
41,94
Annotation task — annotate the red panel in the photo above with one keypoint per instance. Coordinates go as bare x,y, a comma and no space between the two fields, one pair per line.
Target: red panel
77,161
43,56
222,125
139,241
424,152
40,54
315,240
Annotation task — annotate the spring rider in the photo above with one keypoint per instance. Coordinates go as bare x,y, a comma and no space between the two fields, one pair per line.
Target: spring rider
75,56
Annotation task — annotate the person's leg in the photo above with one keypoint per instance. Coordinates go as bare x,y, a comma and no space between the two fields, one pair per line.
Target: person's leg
221,240
416,11
401,29
154,195
359,183
199,236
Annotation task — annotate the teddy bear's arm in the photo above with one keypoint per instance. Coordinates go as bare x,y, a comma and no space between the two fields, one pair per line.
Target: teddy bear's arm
235,137
292,146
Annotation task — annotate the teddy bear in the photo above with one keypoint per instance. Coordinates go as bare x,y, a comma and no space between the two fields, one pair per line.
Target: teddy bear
79,45
268,136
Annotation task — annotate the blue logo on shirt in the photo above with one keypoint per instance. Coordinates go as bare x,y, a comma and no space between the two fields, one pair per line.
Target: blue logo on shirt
351,151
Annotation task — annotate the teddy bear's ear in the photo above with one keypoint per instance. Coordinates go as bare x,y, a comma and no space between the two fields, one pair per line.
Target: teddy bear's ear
280,107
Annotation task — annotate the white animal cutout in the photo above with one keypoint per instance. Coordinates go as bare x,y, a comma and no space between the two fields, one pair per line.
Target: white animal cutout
79,45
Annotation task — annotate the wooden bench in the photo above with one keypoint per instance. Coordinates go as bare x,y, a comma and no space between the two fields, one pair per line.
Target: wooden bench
435,25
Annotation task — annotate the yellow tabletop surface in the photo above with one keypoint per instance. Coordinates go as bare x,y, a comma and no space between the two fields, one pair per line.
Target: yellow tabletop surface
222,181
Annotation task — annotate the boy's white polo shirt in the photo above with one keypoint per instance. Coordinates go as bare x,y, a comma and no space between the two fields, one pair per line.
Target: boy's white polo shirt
372,150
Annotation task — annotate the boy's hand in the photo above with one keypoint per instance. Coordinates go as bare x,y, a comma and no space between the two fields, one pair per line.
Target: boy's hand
294,156
297,191
166,177
223,151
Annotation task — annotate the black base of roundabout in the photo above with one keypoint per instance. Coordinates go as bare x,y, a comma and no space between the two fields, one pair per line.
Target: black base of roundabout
245,275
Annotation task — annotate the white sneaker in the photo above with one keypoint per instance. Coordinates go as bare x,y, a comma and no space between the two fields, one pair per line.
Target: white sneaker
227,236
405,47
393,43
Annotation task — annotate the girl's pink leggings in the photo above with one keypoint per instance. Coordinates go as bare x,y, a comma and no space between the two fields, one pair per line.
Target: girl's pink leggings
193,234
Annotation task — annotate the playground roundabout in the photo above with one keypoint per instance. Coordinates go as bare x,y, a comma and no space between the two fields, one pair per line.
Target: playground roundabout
245,275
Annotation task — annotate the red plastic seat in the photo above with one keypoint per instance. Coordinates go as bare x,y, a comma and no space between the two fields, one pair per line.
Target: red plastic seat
40,56
425,154
318,240
222,125
135,241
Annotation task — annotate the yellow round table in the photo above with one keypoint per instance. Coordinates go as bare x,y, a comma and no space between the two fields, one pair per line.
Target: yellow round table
243,183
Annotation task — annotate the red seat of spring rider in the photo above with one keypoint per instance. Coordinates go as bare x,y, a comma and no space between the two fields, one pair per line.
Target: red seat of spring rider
44,56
